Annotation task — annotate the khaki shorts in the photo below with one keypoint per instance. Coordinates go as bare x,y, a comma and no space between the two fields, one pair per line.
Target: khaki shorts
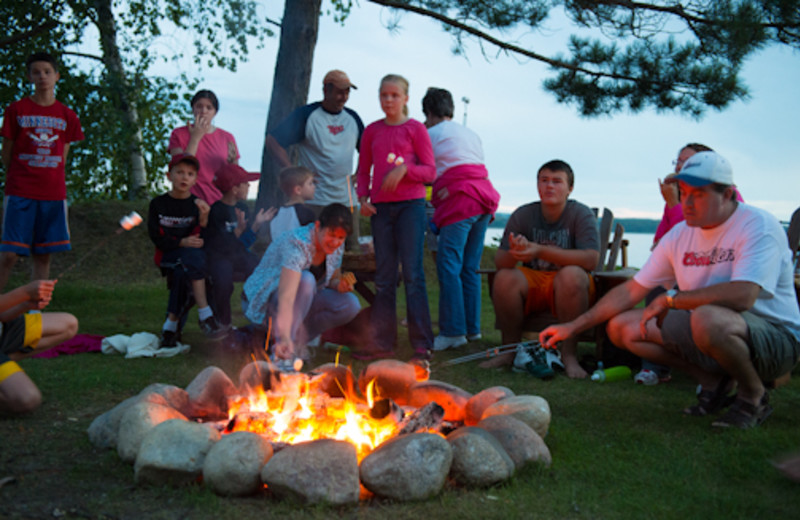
541,296
773,348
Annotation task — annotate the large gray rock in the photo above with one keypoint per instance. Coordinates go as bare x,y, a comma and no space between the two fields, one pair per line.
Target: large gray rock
233,466
479,460
334,380
254,375
519,440
450,397
392,379
175,396
408,467
104,429
322,471
173,453
530,409
481,401
137,421
209,393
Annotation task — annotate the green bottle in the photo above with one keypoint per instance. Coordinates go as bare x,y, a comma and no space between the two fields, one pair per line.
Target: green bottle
611,374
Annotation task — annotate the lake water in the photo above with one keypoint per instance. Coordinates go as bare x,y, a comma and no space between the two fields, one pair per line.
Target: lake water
638,245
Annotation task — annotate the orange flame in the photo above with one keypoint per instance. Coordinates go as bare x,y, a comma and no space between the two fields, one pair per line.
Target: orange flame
294,411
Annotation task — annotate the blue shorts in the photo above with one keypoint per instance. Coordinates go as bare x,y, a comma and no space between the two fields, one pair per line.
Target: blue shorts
34,226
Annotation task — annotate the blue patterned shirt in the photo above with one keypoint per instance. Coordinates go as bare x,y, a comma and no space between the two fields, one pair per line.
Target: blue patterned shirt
293,250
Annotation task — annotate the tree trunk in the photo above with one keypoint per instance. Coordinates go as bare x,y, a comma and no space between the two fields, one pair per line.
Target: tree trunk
137,180
299,29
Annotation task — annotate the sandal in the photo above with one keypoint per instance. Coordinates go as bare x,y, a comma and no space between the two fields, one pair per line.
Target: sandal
745,415
712,401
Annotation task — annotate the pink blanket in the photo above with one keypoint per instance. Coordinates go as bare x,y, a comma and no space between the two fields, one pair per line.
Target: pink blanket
80,343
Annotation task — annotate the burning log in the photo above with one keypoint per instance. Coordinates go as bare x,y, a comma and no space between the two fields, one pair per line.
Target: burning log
386,408
429,417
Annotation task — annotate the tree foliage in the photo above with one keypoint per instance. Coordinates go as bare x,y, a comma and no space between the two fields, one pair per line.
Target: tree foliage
666,55
120,98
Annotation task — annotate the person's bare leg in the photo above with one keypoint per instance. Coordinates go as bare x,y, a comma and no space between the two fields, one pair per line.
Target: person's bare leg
509,291
41,267
19,394
571,295
7,261
199,289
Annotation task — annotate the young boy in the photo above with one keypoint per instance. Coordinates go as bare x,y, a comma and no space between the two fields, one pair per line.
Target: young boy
37,132
297,183
21,334
176,222
229,237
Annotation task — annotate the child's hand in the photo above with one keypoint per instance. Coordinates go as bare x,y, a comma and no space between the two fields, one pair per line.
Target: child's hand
368,209
40,292
394,177
241,222
346,282
264,215
191,241
202,206
283,348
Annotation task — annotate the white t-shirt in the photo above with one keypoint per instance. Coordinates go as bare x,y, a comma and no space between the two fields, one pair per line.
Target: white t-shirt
453,145
750,246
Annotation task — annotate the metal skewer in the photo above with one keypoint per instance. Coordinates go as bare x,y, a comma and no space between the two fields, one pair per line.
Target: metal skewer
490,353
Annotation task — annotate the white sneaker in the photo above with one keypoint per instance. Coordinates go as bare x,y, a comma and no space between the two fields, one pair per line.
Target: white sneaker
474,337
522,359
646,377
446,342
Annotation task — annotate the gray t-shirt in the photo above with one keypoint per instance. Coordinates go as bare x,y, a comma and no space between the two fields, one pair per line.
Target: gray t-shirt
575,229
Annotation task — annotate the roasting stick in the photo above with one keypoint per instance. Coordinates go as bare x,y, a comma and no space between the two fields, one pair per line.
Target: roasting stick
490,353
126,223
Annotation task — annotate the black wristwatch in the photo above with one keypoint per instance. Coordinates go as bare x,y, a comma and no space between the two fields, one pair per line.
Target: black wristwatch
671,298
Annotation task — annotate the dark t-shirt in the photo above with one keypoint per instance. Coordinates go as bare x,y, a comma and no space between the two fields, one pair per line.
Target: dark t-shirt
575,229
170,220
220,238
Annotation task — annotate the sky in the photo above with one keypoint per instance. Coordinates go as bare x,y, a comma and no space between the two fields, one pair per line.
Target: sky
617,159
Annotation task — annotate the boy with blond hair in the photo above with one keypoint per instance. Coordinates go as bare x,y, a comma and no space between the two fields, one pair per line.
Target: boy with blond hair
298,184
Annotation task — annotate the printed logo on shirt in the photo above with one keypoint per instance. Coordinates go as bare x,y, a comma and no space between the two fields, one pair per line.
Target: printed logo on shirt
707,258
335,129
169,221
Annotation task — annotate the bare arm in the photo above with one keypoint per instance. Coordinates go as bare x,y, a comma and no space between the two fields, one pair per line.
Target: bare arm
617,300
287,293
278,152
522,250
35,295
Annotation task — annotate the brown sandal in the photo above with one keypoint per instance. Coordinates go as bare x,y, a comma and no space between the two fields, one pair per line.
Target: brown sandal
712,401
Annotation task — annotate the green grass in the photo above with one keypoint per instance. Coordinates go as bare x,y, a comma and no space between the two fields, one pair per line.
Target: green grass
619,450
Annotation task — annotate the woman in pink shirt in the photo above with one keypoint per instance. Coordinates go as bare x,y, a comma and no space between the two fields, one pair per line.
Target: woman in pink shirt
395,162
213,147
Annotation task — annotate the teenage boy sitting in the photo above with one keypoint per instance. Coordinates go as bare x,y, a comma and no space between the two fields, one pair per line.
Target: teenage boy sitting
37,132
176,222
297,183
229,237
23,334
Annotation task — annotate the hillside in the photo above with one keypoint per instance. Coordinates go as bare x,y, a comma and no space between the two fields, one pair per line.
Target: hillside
631,225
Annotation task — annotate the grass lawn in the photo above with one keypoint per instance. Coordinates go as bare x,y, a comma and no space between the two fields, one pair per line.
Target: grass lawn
619,450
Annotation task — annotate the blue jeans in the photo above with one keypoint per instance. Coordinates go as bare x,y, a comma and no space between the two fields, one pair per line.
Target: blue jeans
398,233
316,309
457,263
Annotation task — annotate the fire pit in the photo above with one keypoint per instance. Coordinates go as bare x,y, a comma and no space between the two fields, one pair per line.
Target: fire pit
325,436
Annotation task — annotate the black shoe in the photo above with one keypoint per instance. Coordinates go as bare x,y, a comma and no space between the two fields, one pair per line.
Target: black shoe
211,328
169,339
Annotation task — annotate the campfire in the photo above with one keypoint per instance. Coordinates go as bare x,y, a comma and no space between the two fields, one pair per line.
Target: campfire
391,432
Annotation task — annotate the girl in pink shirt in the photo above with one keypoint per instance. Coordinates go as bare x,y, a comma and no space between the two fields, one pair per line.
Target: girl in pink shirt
395,162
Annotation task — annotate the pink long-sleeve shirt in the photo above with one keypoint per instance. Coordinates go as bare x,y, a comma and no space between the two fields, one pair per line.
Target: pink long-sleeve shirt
382,147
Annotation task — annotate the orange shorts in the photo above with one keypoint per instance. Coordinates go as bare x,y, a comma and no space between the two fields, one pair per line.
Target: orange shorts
541,296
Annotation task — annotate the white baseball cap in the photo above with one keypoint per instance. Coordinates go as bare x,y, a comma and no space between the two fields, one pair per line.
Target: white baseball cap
704,168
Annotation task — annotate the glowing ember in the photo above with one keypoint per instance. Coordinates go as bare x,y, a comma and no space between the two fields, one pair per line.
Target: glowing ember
294,411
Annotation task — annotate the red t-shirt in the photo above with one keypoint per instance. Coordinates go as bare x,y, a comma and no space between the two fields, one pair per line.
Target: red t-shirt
38,136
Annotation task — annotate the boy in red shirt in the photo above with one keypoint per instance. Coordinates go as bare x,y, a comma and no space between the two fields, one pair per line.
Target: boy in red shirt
37,132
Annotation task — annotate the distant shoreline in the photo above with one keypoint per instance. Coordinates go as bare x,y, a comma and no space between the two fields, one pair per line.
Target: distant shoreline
631,225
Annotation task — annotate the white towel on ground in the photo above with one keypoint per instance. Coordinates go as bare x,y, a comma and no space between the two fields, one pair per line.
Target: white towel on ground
141,344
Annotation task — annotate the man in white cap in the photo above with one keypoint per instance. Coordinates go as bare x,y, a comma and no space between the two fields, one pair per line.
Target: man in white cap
734,319
327,133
